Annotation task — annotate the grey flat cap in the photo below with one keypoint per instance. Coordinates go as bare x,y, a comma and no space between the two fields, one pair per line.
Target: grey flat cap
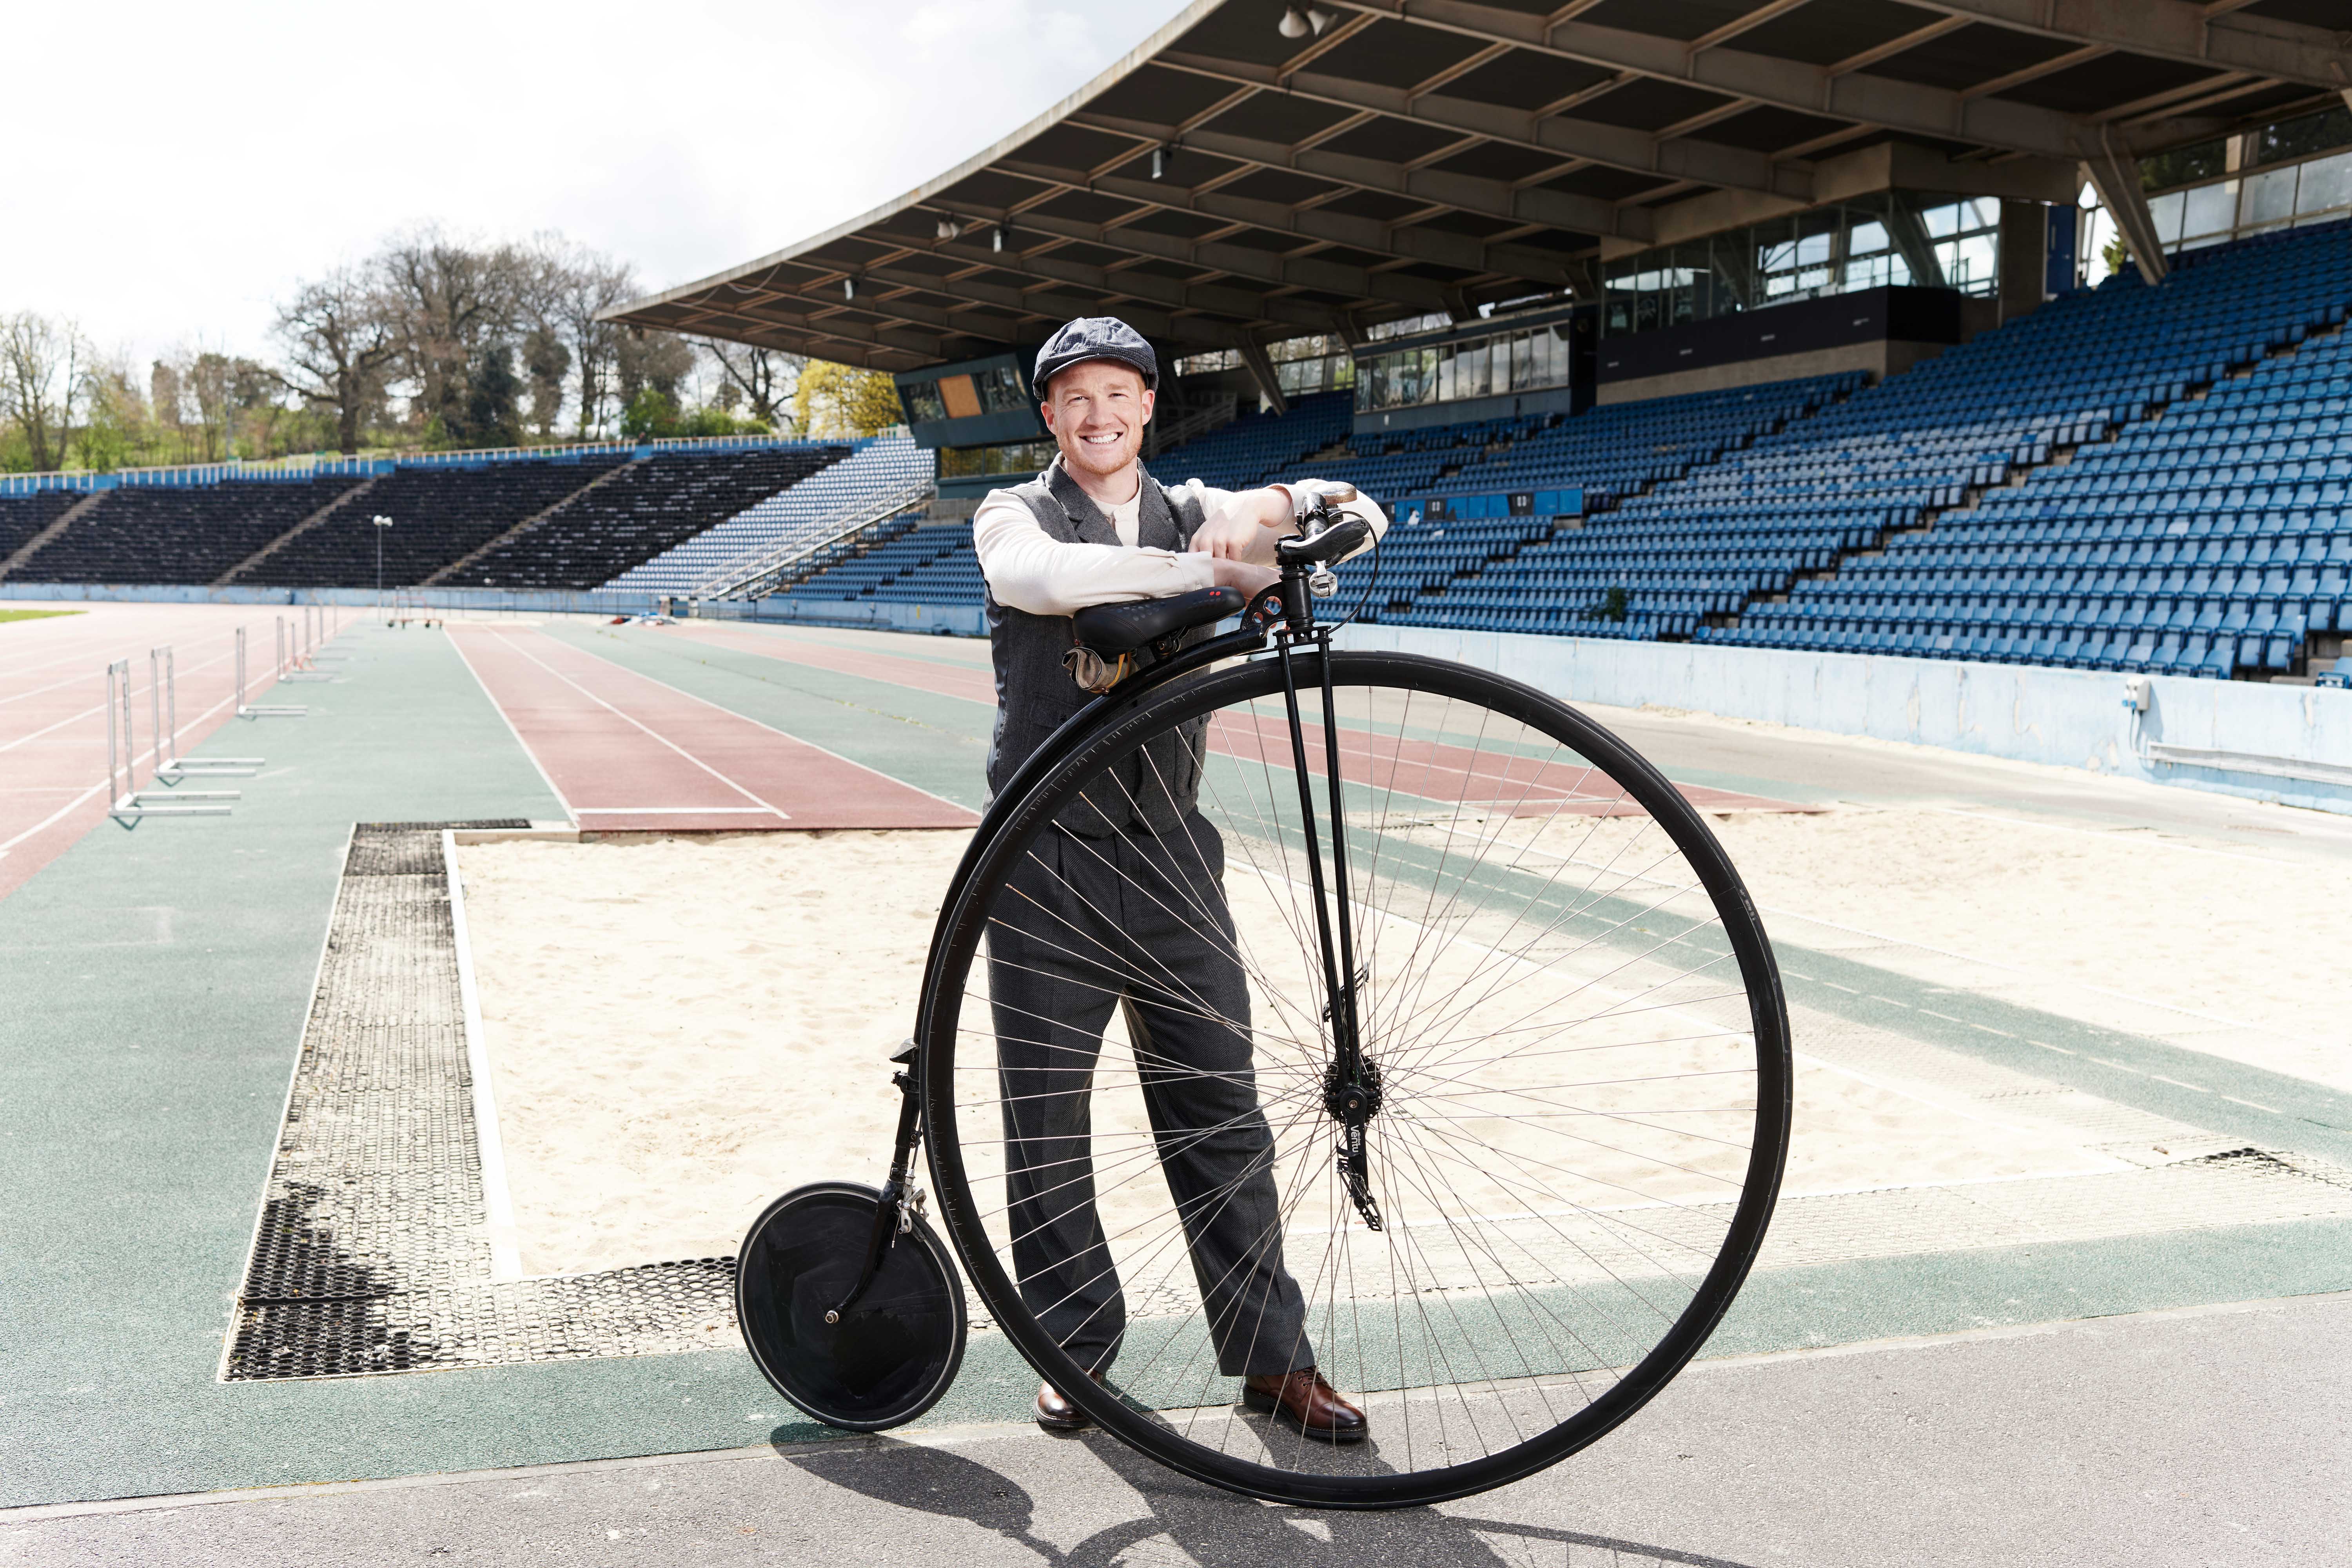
1094,337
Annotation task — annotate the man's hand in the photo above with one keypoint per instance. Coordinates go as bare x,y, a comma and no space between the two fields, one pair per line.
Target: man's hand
1242,574
1234,532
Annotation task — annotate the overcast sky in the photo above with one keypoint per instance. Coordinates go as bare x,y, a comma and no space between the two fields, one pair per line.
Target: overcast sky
189,166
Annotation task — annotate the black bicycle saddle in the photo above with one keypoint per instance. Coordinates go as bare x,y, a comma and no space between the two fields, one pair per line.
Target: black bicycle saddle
1122,628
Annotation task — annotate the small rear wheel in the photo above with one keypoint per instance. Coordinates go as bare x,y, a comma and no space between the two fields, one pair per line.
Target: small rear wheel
898,1348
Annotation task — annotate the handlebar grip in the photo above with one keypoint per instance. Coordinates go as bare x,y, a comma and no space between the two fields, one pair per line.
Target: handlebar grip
1342,538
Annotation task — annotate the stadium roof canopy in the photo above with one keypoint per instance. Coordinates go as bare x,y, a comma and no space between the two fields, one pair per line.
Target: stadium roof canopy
1245,176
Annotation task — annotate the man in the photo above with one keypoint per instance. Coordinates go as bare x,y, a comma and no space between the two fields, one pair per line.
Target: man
1121,901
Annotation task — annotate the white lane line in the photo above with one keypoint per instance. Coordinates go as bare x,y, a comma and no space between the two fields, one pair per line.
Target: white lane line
679,811
138,698
8,844
499,709
787,734
748,795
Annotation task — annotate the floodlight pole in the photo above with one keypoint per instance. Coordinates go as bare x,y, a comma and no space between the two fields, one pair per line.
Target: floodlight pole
382,523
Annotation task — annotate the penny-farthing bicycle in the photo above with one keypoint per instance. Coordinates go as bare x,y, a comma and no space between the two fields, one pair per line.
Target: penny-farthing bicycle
1439,1001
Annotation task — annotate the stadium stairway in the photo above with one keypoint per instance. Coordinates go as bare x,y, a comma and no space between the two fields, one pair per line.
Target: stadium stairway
352,498
440,512
162,534
458,566
667,499
870,468
27,523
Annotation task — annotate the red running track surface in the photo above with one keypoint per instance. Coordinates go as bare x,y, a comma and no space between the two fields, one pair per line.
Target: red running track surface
1458,775
53,710
627,753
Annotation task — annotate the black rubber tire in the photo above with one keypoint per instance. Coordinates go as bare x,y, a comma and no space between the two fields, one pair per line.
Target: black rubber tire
899,1347
961,931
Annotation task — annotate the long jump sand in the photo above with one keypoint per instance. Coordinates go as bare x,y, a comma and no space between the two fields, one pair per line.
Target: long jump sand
680,1030
683,1028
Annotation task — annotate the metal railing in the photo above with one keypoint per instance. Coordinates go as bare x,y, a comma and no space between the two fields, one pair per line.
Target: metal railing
761,571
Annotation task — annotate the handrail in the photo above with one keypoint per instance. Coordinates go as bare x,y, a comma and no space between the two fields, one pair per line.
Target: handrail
758,571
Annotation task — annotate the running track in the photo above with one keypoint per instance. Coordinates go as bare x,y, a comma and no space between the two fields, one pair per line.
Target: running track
1453,774
626,753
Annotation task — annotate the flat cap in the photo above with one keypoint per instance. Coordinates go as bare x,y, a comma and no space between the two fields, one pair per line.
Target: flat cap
1094,337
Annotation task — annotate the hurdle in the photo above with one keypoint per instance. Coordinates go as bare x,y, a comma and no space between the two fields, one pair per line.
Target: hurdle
292,663
317,648
163,720
122,764
260,710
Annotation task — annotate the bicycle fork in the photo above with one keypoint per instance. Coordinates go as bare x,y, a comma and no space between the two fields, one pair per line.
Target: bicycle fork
1351,1084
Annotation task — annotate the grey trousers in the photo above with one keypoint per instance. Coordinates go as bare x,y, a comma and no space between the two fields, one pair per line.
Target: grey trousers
1137,921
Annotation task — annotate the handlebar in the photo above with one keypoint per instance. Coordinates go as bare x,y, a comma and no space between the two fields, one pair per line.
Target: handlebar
1342,538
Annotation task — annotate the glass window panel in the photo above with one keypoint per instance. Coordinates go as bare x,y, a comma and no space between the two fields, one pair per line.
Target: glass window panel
1527,351
2326,183
1942,222
2165,211
2211,209
923,401
1470,371
1868,236
2268,198
1446,375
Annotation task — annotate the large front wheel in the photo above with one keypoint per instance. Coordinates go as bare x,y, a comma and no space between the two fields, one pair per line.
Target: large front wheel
1507,1228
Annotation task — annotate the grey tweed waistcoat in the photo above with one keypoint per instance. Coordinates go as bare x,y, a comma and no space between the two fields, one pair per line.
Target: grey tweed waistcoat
1153,790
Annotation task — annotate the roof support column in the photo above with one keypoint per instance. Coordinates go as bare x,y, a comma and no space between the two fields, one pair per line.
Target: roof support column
2116,179
1261,369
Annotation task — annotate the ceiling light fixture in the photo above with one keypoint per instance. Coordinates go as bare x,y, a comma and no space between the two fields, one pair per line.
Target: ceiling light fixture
1318,18
1159,162
1293,24
996,238
948,228
849,287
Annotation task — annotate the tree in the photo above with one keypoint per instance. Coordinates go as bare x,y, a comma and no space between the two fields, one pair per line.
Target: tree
545,362
841,400
41,383
492,417
209,377
339,344
447,301
765,377
580,286
643,361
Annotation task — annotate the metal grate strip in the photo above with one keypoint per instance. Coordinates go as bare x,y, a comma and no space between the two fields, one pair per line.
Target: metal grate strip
372,1252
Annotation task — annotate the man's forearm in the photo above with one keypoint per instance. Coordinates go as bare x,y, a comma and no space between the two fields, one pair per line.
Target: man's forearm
1028,569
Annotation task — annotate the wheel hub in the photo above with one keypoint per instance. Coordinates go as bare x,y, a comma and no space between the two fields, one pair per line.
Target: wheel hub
1353,1100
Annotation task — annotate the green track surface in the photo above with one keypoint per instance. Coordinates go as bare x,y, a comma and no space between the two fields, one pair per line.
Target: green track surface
154,981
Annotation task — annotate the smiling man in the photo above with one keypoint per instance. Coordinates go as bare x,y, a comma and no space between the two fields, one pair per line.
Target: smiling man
1124,901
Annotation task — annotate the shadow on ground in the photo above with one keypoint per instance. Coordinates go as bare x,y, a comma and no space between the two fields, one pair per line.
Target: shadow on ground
1211,1528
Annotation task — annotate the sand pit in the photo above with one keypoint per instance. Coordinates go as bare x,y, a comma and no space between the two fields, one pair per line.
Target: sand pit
682,1028
2127,931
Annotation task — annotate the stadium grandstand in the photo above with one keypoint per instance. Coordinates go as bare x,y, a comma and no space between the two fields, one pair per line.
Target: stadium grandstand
1750,323
521,520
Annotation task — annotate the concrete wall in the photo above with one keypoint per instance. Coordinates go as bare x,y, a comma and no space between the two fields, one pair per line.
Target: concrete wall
1880,359
2288,743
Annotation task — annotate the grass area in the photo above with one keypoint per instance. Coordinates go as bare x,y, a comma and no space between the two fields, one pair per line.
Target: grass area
6,616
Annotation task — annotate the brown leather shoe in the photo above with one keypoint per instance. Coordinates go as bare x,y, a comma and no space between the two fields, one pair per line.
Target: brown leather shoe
1304,1401
1056,1413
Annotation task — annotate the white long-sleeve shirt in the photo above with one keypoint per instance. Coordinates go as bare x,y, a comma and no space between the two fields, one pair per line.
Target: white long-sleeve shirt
1029,568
